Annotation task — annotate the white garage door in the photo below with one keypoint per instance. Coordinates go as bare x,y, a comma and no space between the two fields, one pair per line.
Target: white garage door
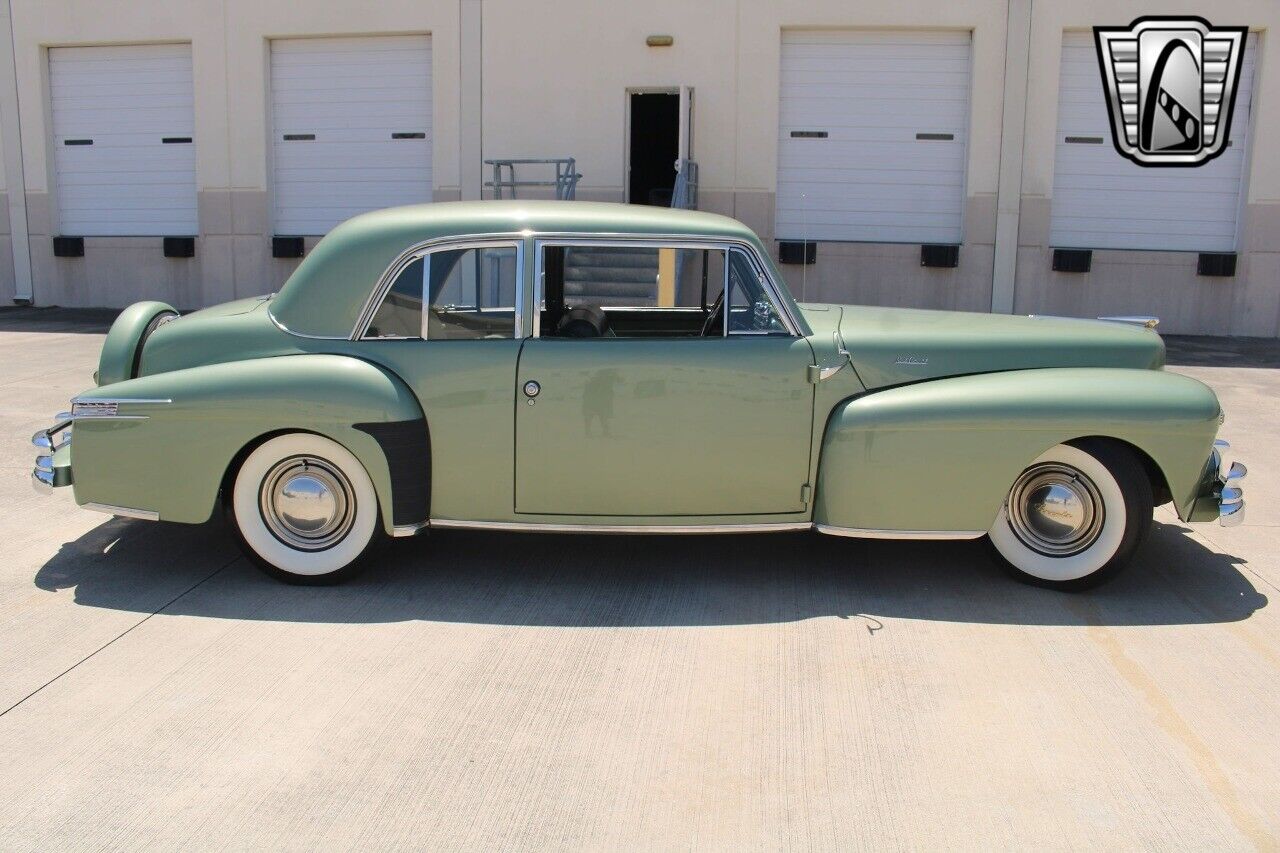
351,129
1103,201
872,136
123,152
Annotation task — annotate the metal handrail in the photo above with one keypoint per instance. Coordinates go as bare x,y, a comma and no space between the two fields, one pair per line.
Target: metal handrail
504,176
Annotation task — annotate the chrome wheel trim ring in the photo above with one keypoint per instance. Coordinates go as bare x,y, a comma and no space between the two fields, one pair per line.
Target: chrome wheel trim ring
307,503
1055,510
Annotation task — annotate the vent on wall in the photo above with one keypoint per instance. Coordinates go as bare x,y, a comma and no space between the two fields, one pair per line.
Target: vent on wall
286,247
68,247
947,255
797,251
1072,260
1221,264
179,247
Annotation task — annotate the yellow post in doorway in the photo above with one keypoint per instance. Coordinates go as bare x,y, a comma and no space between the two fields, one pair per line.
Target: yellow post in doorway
666,278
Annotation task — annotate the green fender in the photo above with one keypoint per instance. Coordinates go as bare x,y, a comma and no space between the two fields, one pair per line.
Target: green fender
173,460
120,349
941,455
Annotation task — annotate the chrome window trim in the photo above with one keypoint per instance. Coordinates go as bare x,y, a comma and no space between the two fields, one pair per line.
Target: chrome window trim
763,275
426,247
282,327
680,241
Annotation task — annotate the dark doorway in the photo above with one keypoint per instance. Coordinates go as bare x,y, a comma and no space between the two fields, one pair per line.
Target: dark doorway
654,146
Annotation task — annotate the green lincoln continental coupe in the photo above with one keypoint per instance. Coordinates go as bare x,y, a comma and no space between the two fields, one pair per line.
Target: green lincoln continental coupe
599,368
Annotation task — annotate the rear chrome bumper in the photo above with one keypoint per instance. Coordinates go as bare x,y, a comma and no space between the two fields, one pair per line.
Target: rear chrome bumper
1229,494
53,464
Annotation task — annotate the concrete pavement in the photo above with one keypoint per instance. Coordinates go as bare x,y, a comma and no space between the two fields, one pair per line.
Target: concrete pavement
477,691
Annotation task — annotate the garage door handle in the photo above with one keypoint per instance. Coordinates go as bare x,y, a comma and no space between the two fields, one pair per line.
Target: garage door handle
176,140
409,135
940,137
299,137
77,142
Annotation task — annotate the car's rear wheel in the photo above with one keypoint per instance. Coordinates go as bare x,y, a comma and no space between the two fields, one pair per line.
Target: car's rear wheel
1074,518
304,509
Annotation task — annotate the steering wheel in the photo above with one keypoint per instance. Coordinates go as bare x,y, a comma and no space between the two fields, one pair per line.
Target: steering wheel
717,310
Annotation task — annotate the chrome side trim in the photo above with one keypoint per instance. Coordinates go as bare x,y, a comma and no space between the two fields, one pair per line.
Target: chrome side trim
98,408
538,527
96,416
1143,321
117,401
870,533
127,512
403,530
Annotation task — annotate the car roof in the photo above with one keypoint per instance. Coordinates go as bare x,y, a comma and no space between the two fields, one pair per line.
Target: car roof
329,288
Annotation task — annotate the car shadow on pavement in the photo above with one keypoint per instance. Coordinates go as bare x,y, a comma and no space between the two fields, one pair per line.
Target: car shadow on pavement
633,581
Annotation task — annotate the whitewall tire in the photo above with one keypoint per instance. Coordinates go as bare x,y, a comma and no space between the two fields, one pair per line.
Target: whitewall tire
304,508
1074,517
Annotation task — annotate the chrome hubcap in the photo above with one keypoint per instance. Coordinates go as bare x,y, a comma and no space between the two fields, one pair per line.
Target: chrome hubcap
307,503
1055,509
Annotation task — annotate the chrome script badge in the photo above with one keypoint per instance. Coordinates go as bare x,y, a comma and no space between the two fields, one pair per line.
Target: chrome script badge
1171,87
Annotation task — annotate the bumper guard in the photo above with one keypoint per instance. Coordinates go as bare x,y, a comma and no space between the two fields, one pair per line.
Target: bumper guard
1229,495
48,475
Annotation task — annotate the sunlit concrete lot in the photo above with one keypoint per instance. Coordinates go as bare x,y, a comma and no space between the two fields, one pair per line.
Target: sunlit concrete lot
486,691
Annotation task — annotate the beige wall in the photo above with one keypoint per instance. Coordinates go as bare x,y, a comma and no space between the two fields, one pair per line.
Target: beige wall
541,78
1157,283
230,43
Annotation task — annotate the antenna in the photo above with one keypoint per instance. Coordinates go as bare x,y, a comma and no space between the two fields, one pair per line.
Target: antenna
804,248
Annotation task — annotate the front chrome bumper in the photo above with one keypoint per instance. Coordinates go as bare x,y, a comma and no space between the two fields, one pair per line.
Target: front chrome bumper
1229,494
52,472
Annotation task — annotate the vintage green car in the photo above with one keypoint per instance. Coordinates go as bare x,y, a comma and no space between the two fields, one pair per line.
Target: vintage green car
599,368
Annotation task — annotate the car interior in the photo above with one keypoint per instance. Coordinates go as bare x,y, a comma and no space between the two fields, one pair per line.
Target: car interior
589,292
642,291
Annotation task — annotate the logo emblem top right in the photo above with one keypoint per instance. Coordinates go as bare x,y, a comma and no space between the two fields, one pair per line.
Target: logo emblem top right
1171,88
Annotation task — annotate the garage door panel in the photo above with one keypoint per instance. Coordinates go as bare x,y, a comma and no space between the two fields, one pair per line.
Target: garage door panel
126,100
870,178
1103,201
351,95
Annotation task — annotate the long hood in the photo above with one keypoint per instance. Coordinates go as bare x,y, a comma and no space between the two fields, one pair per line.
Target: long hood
892,346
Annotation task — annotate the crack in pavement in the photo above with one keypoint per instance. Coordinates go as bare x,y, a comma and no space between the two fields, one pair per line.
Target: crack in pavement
126,631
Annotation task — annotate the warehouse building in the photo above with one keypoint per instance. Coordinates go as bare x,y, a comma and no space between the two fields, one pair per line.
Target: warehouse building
919,153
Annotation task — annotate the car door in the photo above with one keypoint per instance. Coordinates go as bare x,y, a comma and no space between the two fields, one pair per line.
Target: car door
638,424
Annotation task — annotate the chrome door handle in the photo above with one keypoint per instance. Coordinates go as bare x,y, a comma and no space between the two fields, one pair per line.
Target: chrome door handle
532,389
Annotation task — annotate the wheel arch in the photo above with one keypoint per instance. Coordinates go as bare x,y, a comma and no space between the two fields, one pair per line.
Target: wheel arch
941,455
219,413
1155,474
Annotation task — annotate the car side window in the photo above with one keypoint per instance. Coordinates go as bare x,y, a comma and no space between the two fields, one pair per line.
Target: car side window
400,314
472,293
469,294
751,310
629,291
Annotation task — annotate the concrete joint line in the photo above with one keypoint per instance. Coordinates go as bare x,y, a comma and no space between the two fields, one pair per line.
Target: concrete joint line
110,642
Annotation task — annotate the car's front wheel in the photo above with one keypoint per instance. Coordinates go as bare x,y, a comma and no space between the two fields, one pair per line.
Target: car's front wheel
1075,516
304,508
